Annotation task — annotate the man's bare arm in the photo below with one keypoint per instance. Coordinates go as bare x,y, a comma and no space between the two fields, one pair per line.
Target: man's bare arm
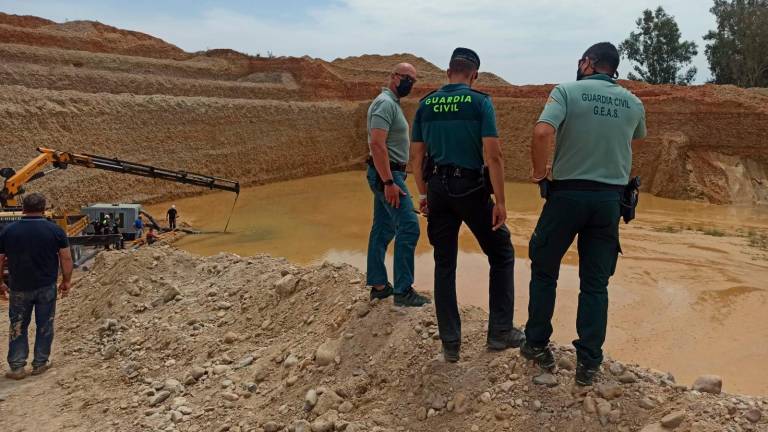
392,193
494,159
418,151
541,147
380,154
65,260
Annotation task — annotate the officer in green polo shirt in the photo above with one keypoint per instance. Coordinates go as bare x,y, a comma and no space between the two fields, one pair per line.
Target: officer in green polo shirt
592,123
455,129
393,212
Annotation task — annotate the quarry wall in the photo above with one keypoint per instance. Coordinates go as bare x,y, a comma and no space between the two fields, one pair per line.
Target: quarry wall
87,87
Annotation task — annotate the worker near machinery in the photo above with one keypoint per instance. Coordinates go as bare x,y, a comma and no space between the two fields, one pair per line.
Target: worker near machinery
455,129
171,216
393,210
33,248
151,235
591,124
139,226
106,228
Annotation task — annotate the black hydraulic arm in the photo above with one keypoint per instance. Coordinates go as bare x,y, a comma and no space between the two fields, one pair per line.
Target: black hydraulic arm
190,178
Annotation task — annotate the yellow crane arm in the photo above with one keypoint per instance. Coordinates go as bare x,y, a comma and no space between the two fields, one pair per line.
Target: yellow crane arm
14,184
15,181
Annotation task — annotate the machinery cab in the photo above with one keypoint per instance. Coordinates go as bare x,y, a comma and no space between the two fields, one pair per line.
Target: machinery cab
120,216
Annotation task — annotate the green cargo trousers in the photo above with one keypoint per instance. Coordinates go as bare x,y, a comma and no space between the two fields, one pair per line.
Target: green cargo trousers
594,216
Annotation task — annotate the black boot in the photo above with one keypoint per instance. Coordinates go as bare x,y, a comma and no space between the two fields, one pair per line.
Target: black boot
382,293
542,356
451,351
503,340
411,298
585,375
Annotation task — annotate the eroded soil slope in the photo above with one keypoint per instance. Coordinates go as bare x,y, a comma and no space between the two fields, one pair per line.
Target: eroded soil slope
86,86
158,339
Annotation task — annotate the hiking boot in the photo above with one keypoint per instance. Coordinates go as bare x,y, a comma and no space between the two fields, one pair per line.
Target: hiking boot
383,293
503,340
411,298
585,375
38,370
542,356
451,351
16,374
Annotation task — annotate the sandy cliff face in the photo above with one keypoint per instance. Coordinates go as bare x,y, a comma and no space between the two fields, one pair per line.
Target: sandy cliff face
89,87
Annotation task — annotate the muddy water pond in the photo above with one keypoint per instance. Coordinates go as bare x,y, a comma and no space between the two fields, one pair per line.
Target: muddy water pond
690,294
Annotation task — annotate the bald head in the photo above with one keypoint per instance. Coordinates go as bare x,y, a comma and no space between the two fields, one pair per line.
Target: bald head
402,79
405,69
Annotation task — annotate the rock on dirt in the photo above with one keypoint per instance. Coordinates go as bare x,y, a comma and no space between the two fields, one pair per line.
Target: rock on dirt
159,398
327,352
546,379
708,384
286,285
753,415
673,419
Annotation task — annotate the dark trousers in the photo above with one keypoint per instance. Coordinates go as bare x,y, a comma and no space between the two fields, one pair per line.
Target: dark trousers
447,210
594,216
172,223
21,304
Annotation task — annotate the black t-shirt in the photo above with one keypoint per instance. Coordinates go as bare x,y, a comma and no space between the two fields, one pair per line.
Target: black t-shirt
172,213
31,248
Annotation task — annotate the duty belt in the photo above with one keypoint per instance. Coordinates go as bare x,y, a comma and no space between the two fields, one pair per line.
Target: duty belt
584,185
394,166
454,171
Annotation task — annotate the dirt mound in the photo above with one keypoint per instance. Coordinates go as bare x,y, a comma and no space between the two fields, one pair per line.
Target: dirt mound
85,36
24,21
376,68
258,344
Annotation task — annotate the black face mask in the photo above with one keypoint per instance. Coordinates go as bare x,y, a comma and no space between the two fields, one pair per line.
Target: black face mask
405,86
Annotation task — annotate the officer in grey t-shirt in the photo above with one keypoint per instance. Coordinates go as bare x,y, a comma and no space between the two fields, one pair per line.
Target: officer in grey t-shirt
393,211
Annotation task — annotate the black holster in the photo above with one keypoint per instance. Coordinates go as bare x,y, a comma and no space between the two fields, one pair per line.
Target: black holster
544,188
629,199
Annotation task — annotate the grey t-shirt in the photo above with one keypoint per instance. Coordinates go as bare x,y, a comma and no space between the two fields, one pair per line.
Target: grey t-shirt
385,113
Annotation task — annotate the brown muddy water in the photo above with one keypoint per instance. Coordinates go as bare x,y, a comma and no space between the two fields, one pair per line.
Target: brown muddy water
690,295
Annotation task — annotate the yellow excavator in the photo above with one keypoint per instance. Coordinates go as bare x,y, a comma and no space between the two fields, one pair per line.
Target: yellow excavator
51,160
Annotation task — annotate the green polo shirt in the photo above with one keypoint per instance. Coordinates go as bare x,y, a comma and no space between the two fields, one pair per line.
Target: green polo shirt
596,121
385,113
453,121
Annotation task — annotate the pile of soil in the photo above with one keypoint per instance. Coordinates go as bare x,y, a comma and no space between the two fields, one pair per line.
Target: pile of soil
157,339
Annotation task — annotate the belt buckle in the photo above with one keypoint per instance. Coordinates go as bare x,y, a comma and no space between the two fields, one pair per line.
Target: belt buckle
457,172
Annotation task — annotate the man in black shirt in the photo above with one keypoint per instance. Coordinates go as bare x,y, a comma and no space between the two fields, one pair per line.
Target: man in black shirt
171,217
33,248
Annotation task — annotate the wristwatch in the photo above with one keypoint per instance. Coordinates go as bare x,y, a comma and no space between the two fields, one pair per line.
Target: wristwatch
389,182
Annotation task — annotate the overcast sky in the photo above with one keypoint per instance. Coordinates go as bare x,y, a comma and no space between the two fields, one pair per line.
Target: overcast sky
525,42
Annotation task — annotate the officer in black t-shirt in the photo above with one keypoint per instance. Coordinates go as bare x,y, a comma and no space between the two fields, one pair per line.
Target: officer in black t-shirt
171,217
33,248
